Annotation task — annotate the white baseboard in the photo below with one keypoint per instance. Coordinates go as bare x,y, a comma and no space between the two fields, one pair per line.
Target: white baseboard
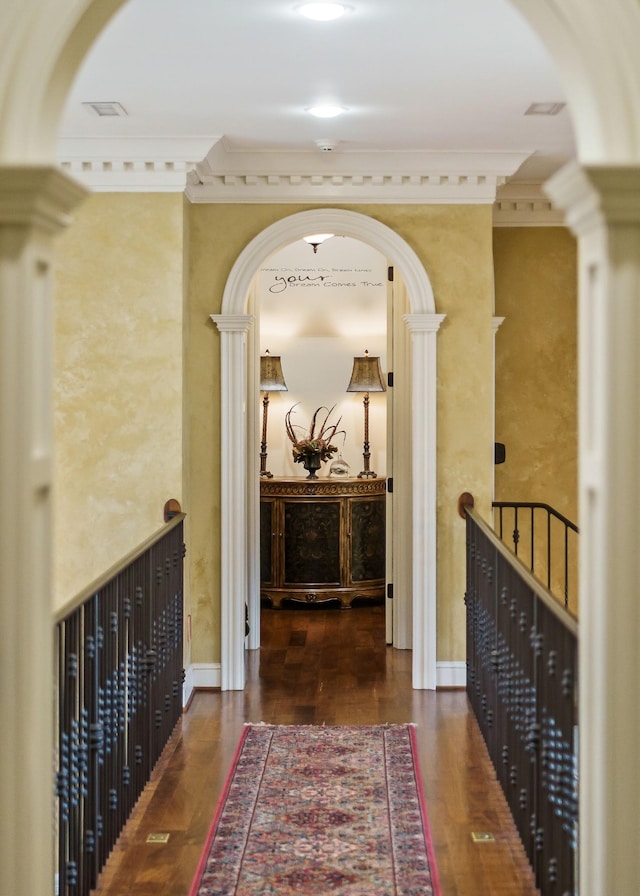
451,674
208,675
200,675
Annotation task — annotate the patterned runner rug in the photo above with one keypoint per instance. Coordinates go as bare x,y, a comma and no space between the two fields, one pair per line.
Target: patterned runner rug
321,810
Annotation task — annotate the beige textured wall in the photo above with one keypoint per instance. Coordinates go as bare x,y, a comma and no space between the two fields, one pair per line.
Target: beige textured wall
118,381
454,244
536,366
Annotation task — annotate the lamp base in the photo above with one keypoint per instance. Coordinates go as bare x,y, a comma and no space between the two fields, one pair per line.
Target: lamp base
265,474
367,474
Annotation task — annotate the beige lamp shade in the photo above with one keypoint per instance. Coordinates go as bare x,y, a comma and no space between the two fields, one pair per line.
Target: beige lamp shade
366,375
271,375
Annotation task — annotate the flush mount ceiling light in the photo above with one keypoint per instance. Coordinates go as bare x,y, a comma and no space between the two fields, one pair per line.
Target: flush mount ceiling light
326,110
545,108
315,239
322,12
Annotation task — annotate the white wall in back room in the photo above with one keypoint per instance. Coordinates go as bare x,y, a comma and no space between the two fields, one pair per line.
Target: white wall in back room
317,312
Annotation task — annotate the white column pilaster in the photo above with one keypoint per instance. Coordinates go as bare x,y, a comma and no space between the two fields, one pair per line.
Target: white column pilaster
603,210
233,549
424,329
35,204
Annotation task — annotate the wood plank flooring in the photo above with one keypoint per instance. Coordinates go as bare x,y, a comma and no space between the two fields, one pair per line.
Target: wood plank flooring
324,667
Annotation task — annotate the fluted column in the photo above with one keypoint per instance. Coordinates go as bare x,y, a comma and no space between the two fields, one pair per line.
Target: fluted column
424,329
35,204
602,207
233,473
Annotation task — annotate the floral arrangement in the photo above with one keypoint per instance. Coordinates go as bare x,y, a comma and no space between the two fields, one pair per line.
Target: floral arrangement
318,438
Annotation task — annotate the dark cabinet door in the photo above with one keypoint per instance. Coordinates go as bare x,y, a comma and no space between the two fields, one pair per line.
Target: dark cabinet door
268,536
312,533
367,528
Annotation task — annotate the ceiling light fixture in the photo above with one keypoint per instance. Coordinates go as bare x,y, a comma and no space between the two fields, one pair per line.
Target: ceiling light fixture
322,12
315,239
326,110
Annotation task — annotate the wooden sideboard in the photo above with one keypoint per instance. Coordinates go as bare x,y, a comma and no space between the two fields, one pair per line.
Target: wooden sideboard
322,541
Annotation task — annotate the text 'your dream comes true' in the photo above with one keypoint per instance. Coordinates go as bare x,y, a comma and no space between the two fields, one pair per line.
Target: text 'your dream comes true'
282,283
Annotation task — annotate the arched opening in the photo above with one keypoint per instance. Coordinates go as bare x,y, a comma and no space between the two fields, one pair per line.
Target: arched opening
239,488
596,51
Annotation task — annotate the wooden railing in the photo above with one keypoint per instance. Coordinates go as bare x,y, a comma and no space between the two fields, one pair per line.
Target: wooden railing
522,651
120,674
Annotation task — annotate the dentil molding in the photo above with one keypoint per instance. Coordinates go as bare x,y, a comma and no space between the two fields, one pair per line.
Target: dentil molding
210,170
525,204
132,164
233,175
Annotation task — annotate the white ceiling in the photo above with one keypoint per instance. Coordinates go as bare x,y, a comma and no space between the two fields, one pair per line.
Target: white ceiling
415,75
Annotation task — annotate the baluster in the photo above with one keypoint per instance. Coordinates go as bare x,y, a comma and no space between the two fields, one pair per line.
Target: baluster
112,652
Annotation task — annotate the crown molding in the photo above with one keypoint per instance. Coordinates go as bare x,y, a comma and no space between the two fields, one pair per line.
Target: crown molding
132,164
212,170
525,204
313,176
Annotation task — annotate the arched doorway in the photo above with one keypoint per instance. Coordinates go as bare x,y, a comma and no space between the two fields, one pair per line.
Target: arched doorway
240,491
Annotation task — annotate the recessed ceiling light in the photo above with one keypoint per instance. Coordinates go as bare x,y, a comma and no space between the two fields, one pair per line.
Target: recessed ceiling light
545,108
326,110
322,12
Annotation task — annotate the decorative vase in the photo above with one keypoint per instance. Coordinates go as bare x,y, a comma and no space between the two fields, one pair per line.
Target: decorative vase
339,468
311,463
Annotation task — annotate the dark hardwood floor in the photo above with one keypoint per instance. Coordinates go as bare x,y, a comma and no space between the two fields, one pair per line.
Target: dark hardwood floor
324,667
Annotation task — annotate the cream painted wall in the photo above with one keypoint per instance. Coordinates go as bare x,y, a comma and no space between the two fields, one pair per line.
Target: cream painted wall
118,381
454,244
536,367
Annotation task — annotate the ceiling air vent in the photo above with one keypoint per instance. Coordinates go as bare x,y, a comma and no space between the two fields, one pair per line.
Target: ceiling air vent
109,110
545,108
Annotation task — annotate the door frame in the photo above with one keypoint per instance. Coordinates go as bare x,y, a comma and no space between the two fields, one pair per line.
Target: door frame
240,488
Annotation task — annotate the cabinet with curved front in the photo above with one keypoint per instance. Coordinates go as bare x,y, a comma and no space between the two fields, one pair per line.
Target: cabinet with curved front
322,542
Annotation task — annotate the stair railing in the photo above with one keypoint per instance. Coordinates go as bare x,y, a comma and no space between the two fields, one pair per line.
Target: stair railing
119,677
545,541
522,656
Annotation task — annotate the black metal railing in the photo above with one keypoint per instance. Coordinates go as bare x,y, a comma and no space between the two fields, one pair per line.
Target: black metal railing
522,652
120,674
545,541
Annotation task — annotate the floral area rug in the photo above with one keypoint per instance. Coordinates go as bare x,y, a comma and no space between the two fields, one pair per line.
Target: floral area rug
321,810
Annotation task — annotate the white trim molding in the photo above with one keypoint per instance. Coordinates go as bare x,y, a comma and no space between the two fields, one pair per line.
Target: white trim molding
233,324
424,329
524,204
233,494
602,204
200,676
228,175
36,204
452,674
132,165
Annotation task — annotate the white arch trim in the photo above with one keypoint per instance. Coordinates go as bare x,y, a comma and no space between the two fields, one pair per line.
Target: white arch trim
235,470
329,220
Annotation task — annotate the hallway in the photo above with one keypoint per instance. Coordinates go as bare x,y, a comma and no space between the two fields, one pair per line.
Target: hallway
324,667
